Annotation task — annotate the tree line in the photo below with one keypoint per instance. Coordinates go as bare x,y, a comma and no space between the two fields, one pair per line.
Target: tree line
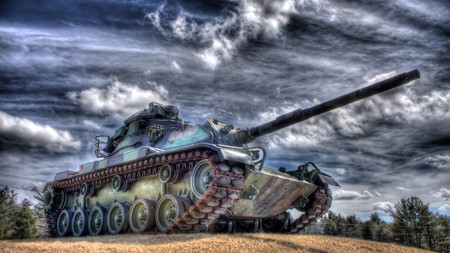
17,221
413,225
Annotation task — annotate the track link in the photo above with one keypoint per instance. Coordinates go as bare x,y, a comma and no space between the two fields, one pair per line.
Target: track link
320,205
223,192
51,217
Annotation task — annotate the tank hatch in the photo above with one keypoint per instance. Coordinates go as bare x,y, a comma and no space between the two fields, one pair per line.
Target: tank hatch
155,111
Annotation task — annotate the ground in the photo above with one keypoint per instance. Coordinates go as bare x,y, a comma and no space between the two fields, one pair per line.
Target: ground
202,243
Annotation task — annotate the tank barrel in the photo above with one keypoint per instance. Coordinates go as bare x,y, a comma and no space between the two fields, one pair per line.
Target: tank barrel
300,115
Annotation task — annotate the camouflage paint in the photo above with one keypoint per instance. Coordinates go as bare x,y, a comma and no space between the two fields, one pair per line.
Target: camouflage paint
149,187
276,192
189,135
114,160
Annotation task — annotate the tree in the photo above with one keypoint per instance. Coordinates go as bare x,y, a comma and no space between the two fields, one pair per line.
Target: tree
441,233
8,207
411,217
351,226
16,221
380,229
332,223
25,222
367,230
375,218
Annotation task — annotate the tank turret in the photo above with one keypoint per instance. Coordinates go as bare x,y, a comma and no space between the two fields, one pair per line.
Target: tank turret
160,173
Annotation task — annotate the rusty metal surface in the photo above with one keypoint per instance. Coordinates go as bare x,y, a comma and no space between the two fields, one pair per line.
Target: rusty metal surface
276,194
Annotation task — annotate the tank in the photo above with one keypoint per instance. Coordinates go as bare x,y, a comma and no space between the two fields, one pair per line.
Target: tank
158,173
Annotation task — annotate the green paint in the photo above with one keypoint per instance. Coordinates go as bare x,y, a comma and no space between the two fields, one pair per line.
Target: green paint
87,167
131,155
102,164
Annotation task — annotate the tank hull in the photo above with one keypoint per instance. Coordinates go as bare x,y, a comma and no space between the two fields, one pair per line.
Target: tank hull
185,189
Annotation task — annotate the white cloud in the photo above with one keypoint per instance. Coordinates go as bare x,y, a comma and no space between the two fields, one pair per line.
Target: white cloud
118,99
439,161
252,18
176,66
442,193
403,189
341,171
91,124
444,208
36,135
403,107
384,206
351,195
182,28
155,19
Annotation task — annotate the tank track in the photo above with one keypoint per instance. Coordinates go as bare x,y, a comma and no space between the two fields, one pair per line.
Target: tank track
51,217
320,205
224,189
223,192
133,171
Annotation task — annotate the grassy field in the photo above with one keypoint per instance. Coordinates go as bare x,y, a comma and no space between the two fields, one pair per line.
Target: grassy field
202,243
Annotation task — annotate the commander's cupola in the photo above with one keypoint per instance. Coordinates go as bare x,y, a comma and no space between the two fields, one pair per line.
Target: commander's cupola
149,127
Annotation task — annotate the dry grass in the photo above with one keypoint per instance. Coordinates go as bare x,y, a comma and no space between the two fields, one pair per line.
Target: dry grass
202,243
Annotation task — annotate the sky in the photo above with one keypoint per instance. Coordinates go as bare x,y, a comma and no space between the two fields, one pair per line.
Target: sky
71,70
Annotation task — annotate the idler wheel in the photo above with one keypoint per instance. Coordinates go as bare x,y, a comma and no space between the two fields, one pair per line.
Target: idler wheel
200,178
63,227
117,220
80,222
142,215
168,210
97,221
54,199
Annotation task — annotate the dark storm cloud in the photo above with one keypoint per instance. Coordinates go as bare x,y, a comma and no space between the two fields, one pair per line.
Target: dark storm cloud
83,66
122,14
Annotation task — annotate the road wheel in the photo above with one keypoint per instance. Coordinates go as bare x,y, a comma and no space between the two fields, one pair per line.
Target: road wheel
142,215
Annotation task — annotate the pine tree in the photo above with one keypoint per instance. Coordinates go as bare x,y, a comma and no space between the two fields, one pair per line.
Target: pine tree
441,233
367,230
331,224
351,226
25,222
8,207
410,219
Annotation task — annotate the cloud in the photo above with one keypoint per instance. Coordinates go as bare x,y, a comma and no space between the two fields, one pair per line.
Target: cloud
353,195
444,208
403,189
341,171
118,99
35,134
439,161
403,107
91,124
33,187
384,206
176,66
251,18
442,193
